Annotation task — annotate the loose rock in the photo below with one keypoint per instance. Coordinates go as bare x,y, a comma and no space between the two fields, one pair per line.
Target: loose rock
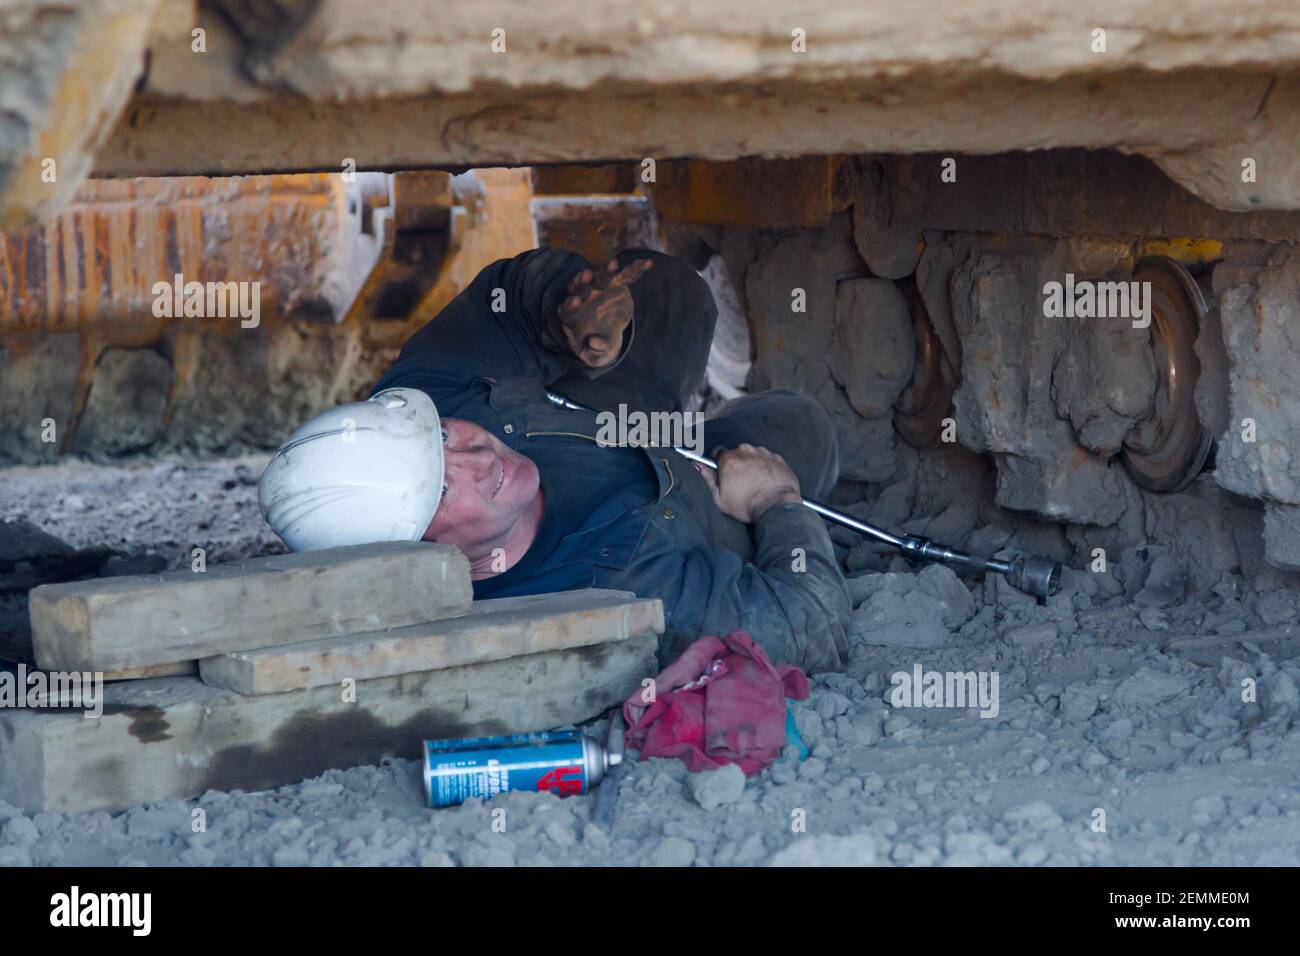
714,788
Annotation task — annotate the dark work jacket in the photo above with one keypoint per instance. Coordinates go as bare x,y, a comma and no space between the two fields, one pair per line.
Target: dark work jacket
492,365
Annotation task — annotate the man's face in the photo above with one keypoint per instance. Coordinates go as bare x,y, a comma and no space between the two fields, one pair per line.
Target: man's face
489,487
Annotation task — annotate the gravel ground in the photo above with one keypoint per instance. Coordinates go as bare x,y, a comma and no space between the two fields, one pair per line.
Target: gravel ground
164,506
1135,724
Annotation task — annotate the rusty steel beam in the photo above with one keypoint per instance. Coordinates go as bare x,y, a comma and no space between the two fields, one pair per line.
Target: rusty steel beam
411,213
80,345
300,237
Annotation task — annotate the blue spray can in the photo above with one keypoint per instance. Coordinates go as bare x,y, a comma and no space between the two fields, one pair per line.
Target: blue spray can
562,762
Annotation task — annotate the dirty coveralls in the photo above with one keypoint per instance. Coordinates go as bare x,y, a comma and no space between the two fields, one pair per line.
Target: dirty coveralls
638,519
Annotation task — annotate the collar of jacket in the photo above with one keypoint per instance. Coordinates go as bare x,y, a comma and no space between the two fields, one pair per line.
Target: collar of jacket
521,409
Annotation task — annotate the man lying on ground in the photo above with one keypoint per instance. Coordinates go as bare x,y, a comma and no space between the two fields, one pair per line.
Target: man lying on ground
525,490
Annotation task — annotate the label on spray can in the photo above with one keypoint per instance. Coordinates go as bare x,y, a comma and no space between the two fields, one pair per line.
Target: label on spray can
562,762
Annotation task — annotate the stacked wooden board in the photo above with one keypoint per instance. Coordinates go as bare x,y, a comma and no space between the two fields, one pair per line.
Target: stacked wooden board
305,662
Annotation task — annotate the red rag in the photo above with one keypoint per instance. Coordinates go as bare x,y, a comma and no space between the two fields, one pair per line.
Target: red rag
722,701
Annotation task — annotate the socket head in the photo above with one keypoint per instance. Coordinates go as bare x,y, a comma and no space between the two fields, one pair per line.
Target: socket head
1034,575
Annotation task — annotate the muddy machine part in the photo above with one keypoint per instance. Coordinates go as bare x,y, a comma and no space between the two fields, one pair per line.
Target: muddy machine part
1169,447
920,411
1029,573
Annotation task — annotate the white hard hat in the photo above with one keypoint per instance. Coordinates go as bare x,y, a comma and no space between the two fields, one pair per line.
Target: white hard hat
364,472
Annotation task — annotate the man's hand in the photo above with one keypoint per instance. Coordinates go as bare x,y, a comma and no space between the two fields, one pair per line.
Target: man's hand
750,480
598,309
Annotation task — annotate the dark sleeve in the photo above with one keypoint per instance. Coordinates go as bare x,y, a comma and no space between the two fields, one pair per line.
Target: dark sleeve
791,598
505,324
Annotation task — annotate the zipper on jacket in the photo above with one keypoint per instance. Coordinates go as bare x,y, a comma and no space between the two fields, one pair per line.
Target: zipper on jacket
560,435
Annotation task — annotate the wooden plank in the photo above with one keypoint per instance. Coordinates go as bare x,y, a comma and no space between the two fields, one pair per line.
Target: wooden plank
492,630
176,737
111,624
154,670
